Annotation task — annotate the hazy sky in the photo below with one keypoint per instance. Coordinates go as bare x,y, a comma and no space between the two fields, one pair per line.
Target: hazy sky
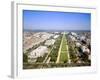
47,20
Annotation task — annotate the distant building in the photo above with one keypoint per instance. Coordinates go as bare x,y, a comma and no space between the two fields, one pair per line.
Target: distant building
49,42
78,44
56,36
72,38
85,49
38,52
82,38
35,38
74,34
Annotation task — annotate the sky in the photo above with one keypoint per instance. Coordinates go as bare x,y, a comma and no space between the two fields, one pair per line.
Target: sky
49,20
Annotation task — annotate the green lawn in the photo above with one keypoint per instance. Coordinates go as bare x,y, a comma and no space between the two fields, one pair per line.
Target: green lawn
63,55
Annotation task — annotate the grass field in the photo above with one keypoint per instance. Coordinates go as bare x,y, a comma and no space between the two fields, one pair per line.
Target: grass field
64,54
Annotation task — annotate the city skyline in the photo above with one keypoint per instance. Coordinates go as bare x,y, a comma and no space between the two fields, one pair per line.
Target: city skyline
49,20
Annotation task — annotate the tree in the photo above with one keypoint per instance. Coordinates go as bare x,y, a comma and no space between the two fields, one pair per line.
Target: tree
39,59
25,58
